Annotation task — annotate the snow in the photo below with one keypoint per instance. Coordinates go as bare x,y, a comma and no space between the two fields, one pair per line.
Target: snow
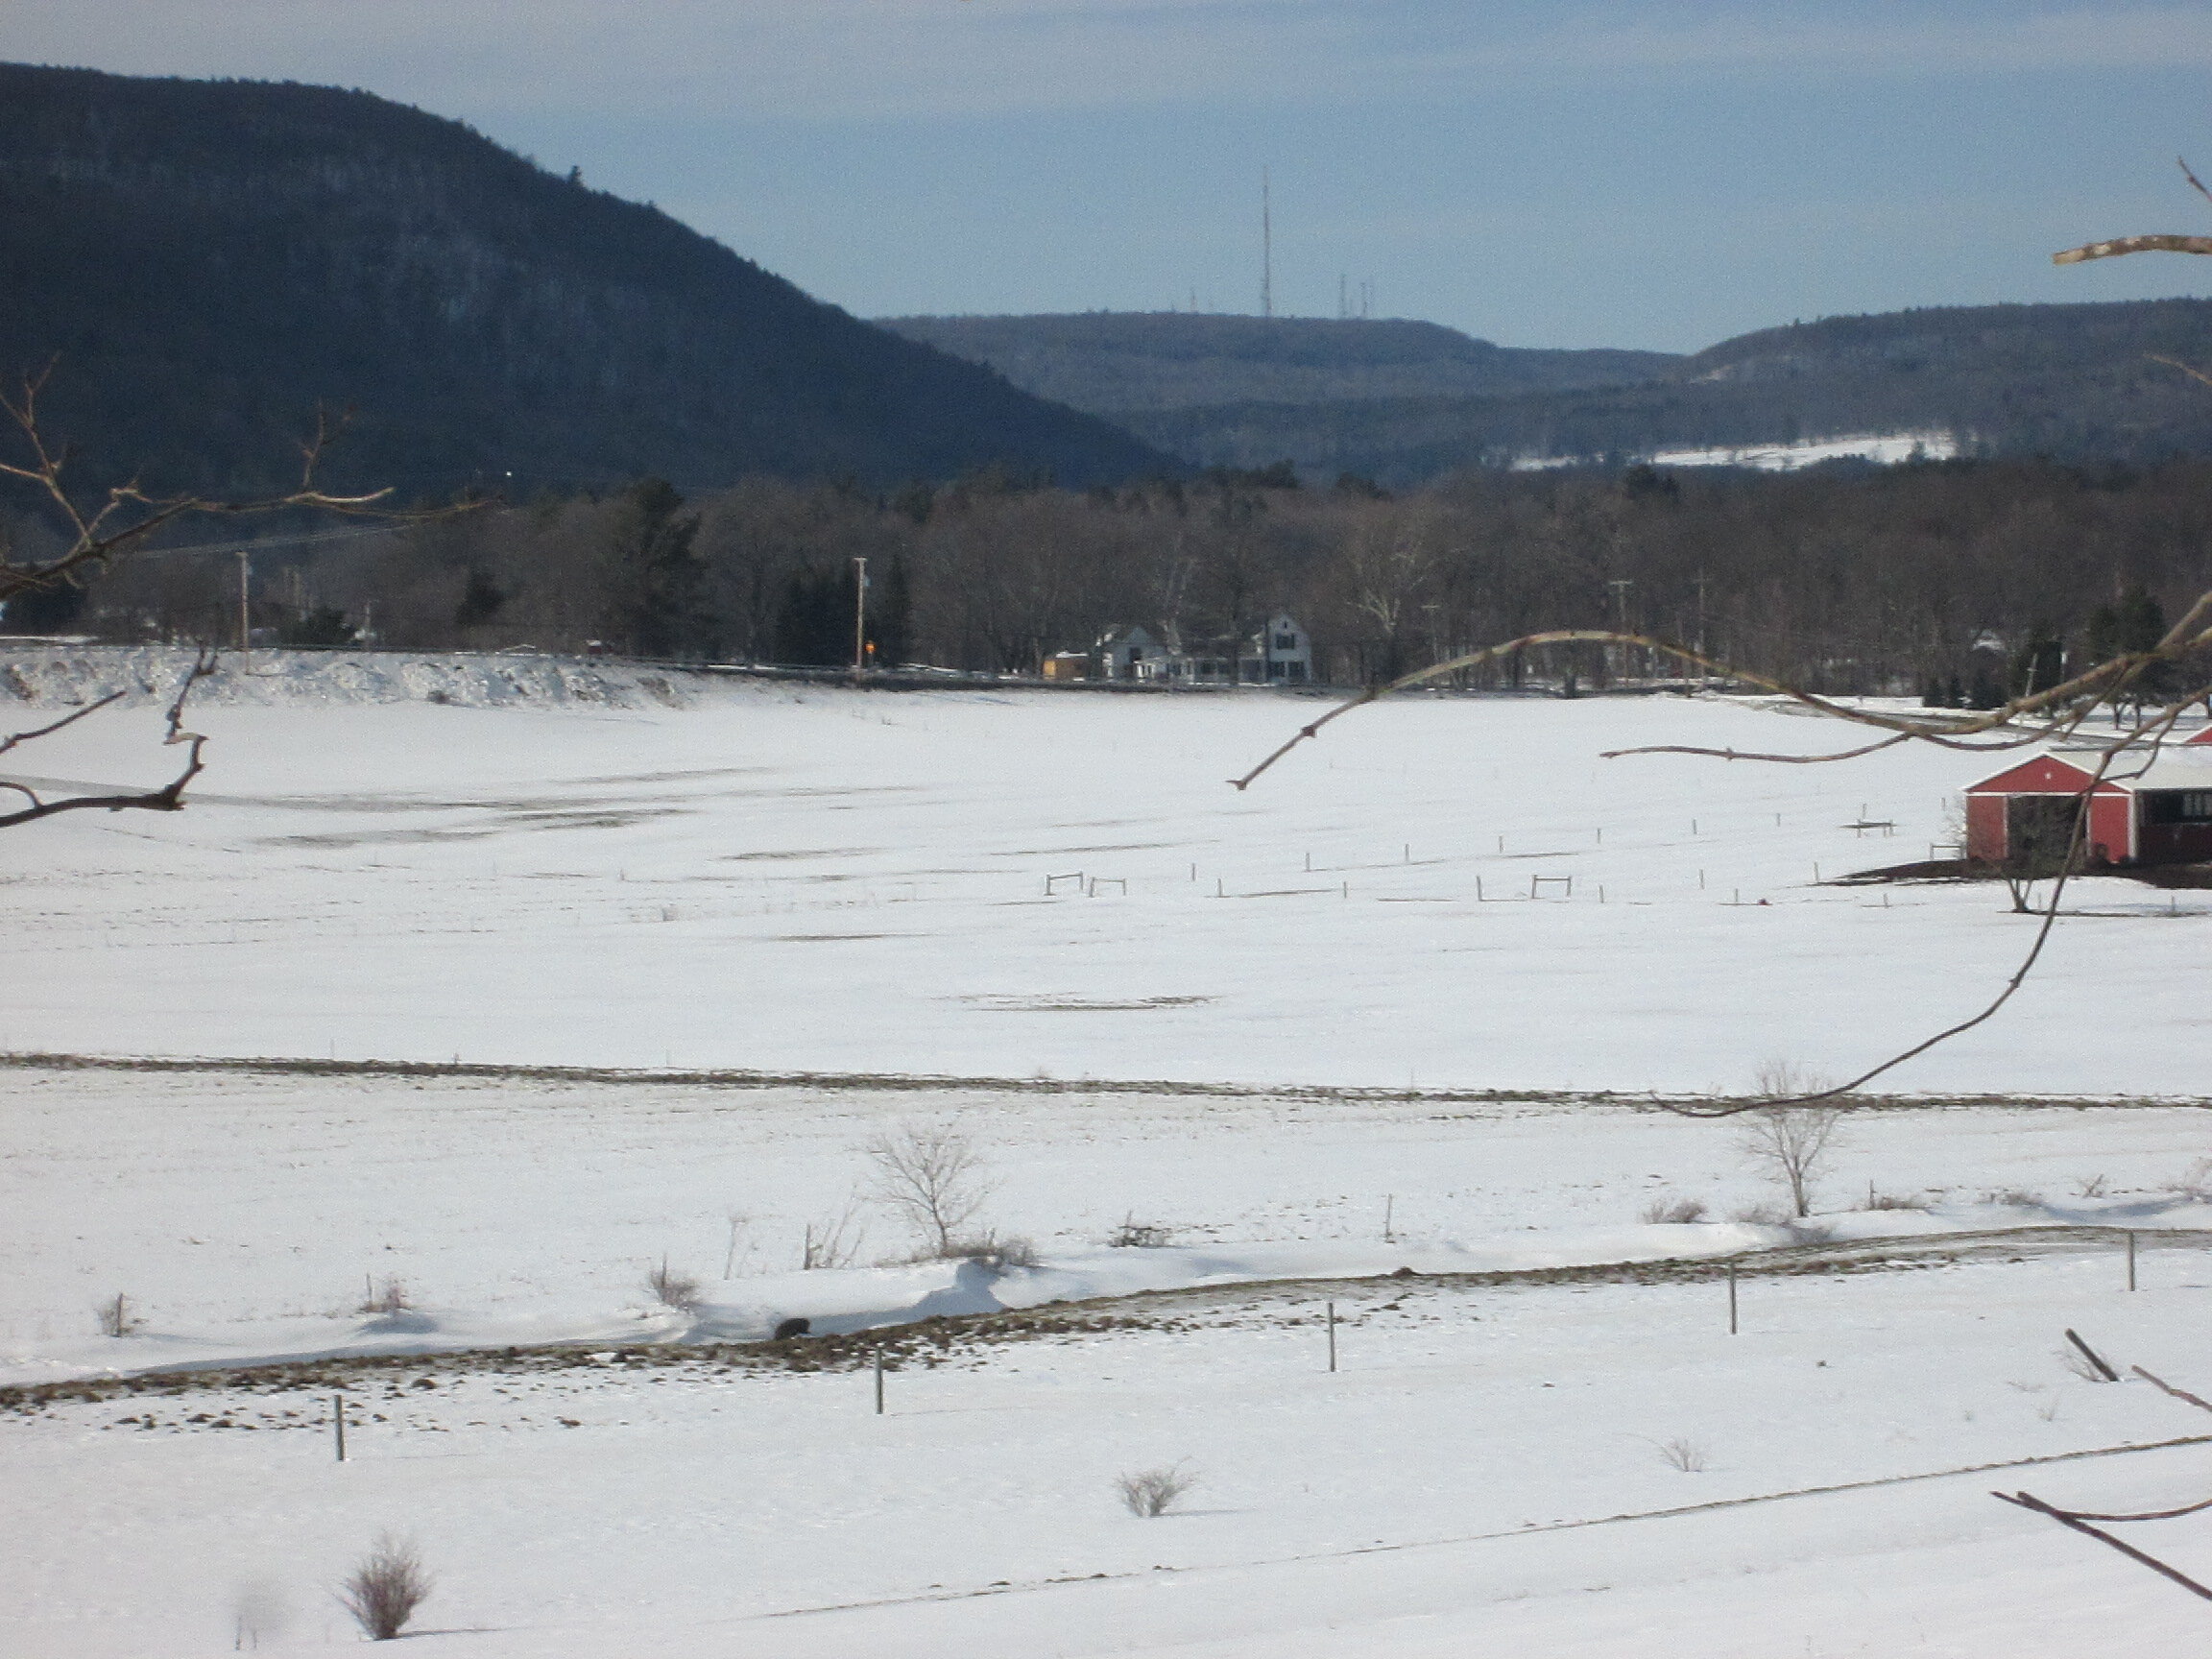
774,881
828,880
1884,449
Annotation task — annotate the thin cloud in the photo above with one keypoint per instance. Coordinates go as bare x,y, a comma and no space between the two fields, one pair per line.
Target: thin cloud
887,59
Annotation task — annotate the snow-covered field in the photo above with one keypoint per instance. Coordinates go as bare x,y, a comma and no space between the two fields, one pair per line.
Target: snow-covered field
569,866
824,881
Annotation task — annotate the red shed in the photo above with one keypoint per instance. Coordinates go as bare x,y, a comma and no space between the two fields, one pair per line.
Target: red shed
2153,813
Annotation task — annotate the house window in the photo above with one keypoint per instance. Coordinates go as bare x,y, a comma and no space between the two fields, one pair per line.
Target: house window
1286,641
2197,803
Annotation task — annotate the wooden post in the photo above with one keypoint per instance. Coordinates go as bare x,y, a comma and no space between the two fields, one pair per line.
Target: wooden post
2094,1358
879,1379
2130,1261
1390,1201
338,1418
1332,1336
1731,1298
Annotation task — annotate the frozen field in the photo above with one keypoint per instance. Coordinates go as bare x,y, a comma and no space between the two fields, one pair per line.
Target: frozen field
824,881
678,1506
570,867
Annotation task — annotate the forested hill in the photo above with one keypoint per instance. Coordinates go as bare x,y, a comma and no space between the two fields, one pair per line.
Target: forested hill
1115,362
209,260
2075,381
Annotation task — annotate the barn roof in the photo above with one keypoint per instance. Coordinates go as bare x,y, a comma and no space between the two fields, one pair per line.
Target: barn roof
2057,775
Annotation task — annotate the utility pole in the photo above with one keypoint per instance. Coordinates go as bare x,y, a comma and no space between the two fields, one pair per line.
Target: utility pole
245,587
1266,251
1620,586
859,615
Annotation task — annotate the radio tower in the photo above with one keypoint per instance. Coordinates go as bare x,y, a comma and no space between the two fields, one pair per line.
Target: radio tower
1266,251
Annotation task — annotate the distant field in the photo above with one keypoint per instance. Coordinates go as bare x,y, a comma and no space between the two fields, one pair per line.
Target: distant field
835,881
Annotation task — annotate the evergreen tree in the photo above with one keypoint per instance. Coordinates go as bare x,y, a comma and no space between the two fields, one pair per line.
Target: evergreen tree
656,587
480,601
2038,664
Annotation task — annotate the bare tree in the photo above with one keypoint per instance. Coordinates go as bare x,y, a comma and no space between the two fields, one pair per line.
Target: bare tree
1791,1144
930,1176
101,525
384,1591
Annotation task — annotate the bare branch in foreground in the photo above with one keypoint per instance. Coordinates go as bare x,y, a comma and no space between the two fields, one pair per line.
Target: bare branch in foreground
2165,1387
169,798
2080,1523
2119,245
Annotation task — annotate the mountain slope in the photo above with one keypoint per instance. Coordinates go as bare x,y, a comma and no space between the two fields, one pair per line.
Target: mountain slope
2077,381
1114,363
211,258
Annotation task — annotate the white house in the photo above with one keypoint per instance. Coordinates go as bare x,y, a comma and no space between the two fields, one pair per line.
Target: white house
1281,653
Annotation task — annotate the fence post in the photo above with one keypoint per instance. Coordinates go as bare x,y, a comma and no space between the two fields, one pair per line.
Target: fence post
338,1418
1731,1298
1332,1336
879,1379
2130,1261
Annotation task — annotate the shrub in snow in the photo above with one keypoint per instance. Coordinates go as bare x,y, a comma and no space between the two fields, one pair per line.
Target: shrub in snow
931,1176
1894,1201
1684,1454
672,1288
115,1317
390,1298
384,1591
1135,1235
1150,1493
1760,1215
2197,1183
1668,1212
989,1250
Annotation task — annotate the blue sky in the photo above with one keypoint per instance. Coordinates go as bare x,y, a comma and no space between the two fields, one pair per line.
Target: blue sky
1567,174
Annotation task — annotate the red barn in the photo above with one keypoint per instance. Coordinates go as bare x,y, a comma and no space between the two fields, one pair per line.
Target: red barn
2155,813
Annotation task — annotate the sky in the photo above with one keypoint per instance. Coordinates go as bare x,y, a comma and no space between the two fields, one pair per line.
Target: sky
1562,173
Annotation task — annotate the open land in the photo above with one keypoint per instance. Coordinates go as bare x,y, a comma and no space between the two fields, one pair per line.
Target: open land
1368,1084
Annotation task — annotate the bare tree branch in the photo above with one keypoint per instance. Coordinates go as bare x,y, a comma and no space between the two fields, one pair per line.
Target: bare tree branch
2080,1524
2119,245
169,798
2165,1387
110,522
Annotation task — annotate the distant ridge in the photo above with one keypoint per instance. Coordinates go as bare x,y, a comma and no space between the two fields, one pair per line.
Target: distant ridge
1404,402
209,260
1113,363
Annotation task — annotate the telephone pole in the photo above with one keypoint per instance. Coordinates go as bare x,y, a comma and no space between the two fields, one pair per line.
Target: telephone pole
245,588
859,615
1266,251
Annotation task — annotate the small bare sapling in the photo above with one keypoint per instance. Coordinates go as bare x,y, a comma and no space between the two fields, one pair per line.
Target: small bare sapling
384,1591
832,1243
1150,1493
1789,1143
389,1298
673,1288
116,1318
930,1176
259,1610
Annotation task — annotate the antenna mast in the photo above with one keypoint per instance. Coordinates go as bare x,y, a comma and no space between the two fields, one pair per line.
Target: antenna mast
1266,251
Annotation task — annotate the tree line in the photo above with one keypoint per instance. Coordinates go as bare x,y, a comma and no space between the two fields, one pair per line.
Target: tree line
1953,579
